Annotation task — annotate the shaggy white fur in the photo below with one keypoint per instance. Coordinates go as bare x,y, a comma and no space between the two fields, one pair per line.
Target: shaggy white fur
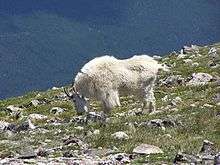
104,78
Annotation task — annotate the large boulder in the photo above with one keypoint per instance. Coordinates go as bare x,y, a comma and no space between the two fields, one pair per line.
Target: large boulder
147,149
200,79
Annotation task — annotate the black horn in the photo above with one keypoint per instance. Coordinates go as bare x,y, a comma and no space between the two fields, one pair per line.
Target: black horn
67,93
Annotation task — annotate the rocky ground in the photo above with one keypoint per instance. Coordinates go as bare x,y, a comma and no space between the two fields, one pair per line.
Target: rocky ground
43,128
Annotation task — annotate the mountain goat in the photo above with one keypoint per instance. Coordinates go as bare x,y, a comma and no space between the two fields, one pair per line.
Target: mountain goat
104,78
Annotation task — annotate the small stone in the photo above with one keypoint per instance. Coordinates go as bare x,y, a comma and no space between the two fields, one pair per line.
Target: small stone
208,105
200,79
192,48
207,147
217,97
35,116
27,153
68,154
157,57
71,140
213,52
13,108
217,159
120,135
79,128
132,127
31,125
188,61
96,117
35,103
41,152
61,96
55,88
159,123
135,112
96,132
155,123
119,158
195,64
165,98
168,135
4,125
176,101
218,104
188,159
181,55
23,127
147,149
57,110
79,120
192,105
172,80
38,95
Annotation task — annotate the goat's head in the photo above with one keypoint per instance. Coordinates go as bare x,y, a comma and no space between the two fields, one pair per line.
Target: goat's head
78,100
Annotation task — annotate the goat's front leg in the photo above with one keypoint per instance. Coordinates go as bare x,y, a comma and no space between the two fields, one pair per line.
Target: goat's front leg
111,100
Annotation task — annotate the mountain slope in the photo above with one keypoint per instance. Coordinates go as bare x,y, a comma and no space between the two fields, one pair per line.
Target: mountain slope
186,116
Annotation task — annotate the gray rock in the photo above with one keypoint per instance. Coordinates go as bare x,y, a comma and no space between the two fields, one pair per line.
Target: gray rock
96,117
200,79
217,159
213,64
3,125
186,158
96,132
57,110
12,108
155,123
120,158
36,116
120,135
191,49
182,54
79,120
172,80
213,52
35,103
79,128
177,100
195,64
55,88
165,98
207,147
16,112
62,96
188,61
160,123
135,112
207,105
217,97
147,149
27,153
157,57
73,140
